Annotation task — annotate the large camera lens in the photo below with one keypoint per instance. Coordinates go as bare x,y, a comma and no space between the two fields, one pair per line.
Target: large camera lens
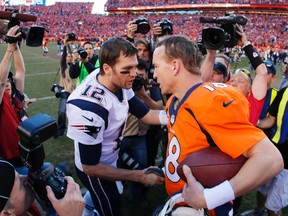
143,27
166,26
213,38
83,54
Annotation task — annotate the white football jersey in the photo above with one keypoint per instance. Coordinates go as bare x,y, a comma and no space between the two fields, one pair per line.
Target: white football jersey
95,115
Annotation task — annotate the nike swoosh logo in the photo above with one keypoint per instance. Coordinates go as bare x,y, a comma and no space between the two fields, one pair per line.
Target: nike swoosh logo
228,103
89,119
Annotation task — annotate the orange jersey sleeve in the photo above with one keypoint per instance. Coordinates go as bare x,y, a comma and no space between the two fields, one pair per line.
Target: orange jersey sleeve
209,114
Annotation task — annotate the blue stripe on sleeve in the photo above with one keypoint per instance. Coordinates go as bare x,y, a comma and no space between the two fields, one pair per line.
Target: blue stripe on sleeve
92,107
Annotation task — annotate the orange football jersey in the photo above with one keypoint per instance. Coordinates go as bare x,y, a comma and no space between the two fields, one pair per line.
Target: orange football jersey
209,114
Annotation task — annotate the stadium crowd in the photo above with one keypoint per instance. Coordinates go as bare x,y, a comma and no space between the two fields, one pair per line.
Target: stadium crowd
59,20
130,3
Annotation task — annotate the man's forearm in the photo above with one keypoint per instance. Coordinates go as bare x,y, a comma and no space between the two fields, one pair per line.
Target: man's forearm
5,66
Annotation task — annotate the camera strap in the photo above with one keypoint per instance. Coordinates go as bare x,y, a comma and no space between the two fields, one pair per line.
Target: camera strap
56,75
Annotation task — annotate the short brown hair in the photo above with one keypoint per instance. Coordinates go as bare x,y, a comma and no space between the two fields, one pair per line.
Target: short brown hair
181,47
111,49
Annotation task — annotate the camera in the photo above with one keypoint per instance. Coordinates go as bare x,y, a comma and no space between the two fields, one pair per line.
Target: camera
71,37
82,53
143,26
33,35
138,83
167,27
216,38
56,89
32,133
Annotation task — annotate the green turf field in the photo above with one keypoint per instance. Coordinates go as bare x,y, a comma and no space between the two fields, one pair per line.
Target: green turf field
41,73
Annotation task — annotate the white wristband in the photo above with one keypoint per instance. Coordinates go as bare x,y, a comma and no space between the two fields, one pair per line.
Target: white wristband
218,195
163,117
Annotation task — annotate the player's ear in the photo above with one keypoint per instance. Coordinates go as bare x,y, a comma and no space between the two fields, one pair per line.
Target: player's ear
107,69
176,66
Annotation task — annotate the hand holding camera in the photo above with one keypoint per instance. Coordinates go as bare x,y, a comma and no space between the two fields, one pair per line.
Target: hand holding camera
83,54
72,195
12,35
56,89
32,133
226,35
241,33
141,25
132,27
11,18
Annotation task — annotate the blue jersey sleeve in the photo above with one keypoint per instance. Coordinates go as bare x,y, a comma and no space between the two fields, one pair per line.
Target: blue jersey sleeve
137,107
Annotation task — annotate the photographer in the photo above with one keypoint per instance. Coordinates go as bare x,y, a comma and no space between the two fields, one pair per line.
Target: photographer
12,99
88,62
134,143
67,85
16,196
254,91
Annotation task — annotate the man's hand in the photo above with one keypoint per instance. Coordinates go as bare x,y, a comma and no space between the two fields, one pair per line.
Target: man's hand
240,31
193,190
72,204
157,30
132,27
12,36
152,178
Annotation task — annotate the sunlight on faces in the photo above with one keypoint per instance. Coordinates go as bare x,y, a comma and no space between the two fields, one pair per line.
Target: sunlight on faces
241,81
270,79
163,70
217,77
143,51
89,49
123,72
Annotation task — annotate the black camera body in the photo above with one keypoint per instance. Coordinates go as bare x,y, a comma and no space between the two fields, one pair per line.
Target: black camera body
56,89
82,53
32,133
143,26
138,83
216,38
166,26
71,37
33,35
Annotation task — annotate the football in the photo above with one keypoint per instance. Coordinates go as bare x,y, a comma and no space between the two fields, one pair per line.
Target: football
210,166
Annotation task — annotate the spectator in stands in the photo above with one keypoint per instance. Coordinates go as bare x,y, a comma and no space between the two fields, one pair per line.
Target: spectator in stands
88,61
67,85
12,100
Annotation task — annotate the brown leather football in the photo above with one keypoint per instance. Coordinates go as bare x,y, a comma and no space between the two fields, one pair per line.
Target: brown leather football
210,166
